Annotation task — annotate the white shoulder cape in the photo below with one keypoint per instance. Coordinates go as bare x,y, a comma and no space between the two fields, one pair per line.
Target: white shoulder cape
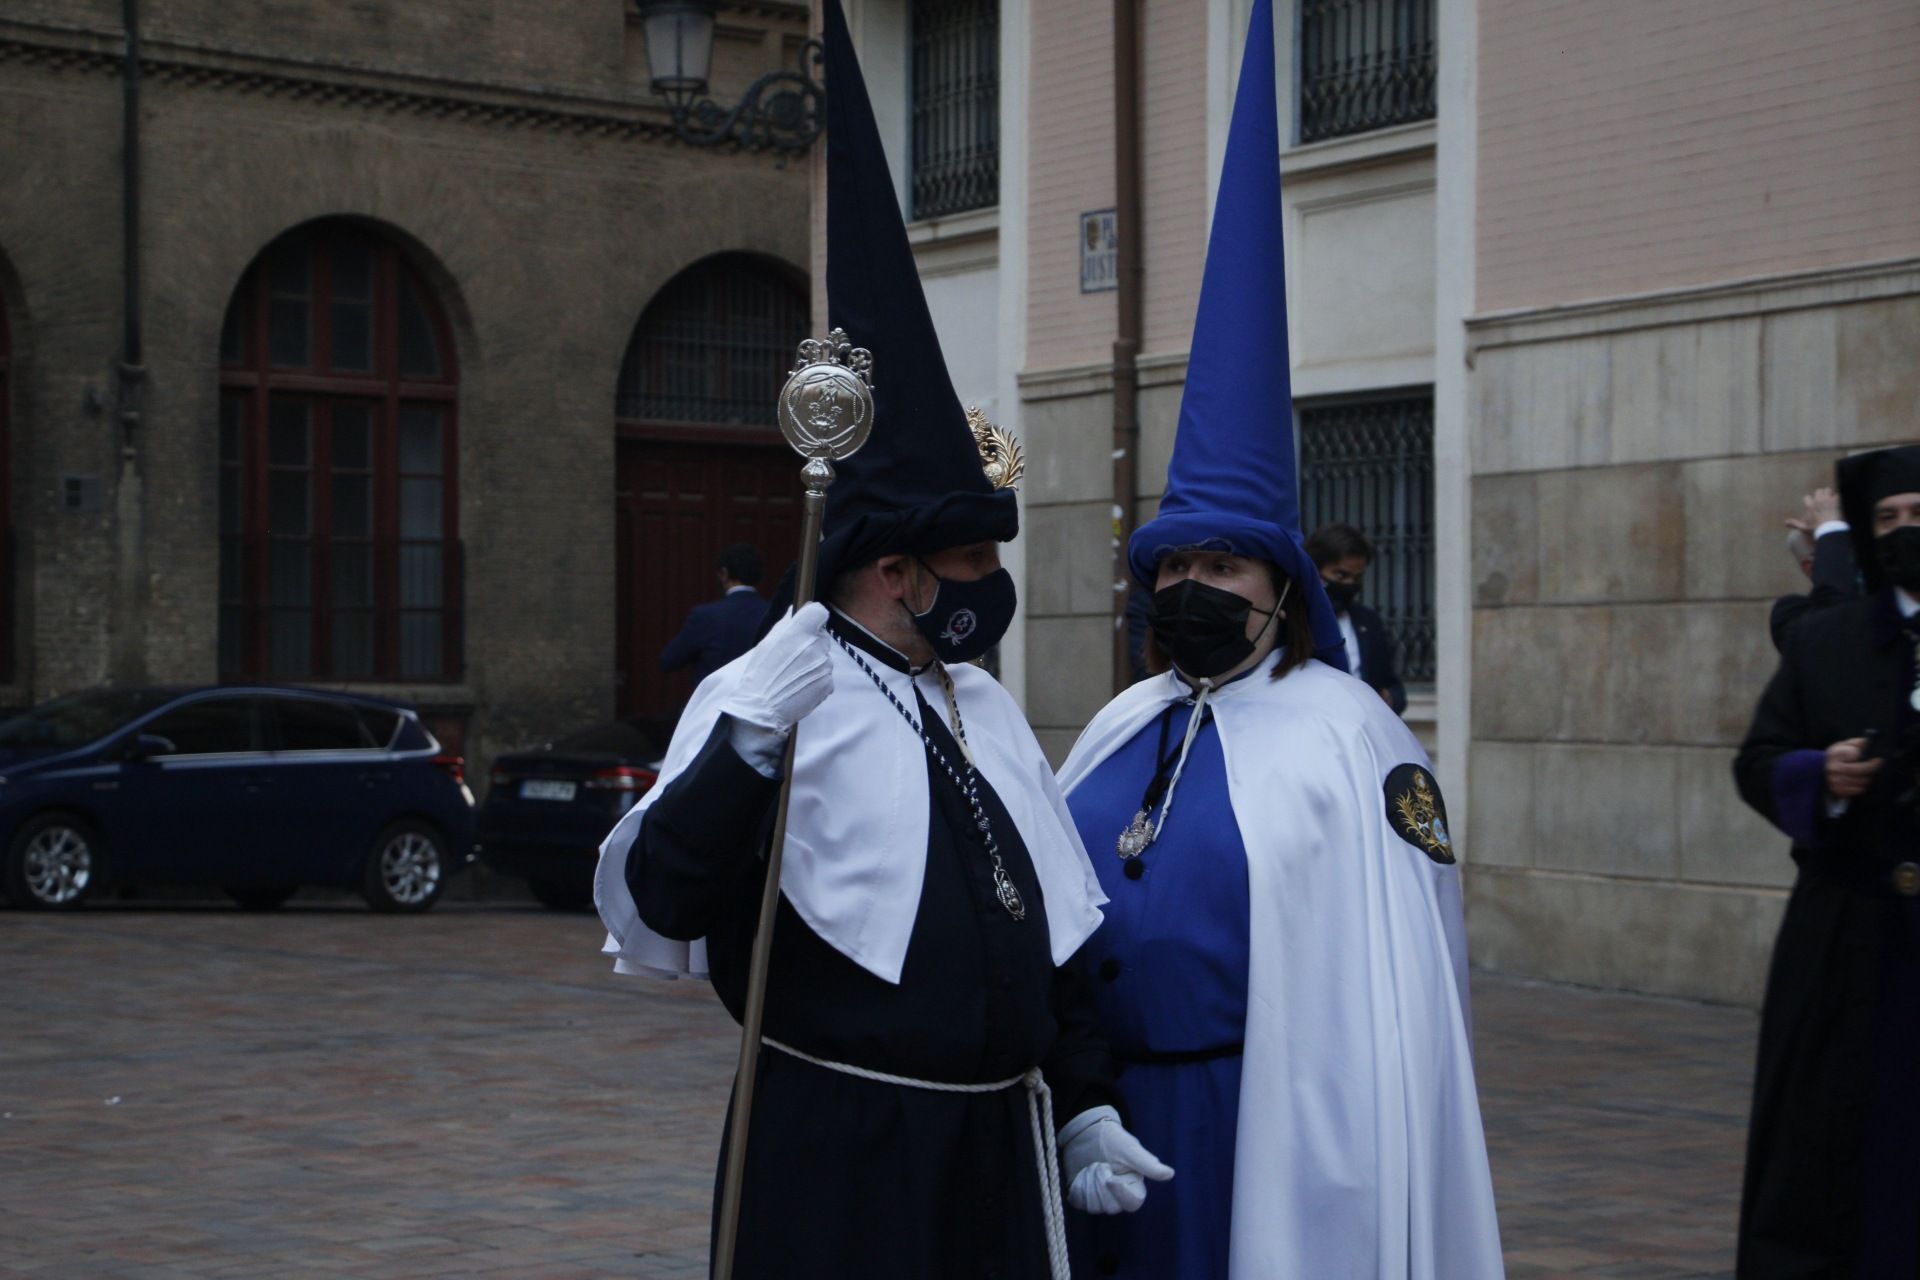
1360,1148
856,849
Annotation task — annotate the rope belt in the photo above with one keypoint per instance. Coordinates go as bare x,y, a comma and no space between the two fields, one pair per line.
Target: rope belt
1039,1116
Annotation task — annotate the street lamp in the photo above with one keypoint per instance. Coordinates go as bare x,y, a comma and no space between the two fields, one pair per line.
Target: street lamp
781,110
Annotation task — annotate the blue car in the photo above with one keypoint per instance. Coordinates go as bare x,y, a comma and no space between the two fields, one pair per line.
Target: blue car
256,790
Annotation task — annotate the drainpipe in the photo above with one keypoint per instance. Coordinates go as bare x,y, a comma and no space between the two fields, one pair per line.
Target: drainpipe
1126,344
129,649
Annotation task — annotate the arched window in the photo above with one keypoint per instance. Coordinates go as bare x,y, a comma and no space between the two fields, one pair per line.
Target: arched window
700,462
339,534
713,346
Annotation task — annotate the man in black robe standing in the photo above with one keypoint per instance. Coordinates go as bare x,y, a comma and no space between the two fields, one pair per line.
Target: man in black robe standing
1833,759
934,894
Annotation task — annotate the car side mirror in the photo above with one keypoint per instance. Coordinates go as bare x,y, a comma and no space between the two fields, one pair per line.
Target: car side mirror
149,745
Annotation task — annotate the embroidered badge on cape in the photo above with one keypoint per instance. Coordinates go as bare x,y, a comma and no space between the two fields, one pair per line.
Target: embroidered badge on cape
1417,812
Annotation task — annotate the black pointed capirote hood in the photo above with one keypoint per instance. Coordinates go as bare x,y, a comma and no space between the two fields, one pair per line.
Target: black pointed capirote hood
918,485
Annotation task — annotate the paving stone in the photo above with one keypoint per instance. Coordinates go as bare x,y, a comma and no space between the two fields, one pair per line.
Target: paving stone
471,1093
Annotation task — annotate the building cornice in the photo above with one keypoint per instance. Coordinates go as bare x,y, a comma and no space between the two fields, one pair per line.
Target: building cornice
1362,150
1155,369
1721,300
197,65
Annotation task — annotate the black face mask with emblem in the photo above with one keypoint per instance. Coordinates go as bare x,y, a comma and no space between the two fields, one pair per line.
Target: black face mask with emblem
966,618
1899,551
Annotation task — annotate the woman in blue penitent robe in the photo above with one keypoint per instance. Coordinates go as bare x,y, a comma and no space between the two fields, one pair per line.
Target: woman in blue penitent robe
1282,970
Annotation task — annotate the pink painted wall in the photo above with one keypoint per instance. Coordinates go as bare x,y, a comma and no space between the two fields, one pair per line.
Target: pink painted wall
1072,158
1174,170
1636,145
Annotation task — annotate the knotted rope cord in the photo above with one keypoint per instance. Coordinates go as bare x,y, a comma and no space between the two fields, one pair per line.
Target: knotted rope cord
1186,745
1039,1119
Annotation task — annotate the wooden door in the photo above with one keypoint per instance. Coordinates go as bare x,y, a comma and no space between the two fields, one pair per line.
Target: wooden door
678,503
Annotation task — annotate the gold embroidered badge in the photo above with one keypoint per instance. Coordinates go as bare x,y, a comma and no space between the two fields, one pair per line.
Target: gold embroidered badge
1417,812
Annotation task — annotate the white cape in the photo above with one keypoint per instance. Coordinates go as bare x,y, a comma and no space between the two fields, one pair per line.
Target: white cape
856,853
1360,1148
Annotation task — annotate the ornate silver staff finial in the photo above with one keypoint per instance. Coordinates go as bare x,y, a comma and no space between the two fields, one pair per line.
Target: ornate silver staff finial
826,408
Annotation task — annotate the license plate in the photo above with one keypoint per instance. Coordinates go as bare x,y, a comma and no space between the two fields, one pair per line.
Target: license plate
538,789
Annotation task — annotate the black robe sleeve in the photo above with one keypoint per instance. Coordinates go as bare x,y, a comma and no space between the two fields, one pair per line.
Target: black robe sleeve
700,839
1834,579
1080,1069
1781,768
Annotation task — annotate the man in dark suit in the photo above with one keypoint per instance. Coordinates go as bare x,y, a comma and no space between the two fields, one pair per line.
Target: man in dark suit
1824,552
718,632
1342,554
1833,760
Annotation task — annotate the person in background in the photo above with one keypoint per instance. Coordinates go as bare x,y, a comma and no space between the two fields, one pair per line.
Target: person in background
1342,554
1819,543
719,631
1832,1183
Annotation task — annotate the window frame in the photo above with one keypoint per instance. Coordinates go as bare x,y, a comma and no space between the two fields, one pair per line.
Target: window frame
256,726
932,102
256,383
1354,94
272,706
653,331
1414,628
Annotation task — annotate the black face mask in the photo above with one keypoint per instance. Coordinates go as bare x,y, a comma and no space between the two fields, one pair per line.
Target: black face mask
1899,551
966,618
1202,628
1342,594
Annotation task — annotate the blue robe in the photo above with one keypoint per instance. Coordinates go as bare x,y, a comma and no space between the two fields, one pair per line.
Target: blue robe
1170,967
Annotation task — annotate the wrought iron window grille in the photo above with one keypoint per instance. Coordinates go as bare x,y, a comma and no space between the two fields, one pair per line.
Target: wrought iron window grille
956,107
1369,463
1364,65
713,347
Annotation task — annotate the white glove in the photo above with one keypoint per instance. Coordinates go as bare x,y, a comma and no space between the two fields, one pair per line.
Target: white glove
786,675
1107,1169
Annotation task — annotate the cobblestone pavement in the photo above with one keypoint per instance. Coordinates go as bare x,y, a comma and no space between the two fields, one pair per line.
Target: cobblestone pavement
199,1092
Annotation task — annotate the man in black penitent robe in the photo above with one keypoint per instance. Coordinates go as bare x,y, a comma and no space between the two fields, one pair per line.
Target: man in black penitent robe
1833,759
934,893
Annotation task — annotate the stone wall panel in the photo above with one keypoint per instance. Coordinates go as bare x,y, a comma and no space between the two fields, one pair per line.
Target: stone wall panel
1607,810
1696,942
1722,840
1067,554
1501,790
1506,544
1607,534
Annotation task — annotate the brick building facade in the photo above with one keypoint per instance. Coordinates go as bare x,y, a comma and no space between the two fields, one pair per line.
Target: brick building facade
471,209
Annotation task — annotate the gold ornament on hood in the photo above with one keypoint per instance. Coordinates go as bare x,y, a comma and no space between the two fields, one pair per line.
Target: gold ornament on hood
1000,455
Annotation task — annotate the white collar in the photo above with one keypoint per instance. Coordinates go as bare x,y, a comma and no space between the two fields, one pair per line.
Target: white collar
1908,605
851,621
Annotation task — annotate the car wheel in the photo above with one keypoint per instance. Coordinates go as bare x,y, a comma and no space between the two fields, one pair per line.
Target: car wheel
53,863
562,895
262,897
406,868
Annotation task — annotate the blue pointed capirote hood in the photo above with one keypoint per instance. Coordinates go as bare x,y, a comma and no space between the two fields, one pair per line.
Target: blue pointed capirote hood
1233,484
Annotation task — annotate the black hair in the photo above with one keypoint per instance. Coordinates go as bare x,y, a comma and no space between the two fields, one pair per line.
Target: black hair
741,563
1331,542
